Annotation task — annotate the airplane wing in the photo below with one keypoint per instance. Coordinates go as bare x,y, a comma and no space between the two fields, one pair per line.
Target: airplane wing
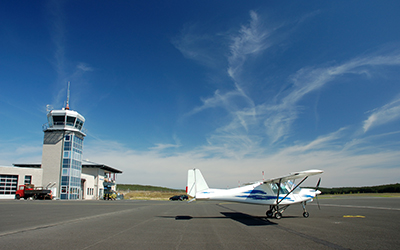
293,176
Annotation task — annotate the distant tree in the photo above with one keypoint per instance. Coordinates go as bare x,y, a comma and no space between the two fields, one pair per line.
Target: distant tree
390,188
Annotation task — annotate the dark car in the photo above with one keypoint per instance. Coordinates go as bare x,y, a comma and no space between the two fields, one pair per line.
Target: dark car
178,197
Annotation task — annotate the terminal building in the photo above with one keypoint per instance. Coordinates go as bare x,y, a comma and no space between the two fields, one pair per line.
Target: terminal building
63,169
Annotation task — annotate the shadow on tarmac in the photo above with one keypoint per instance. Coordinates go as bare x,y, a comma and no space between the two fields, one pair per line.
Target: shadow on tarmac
245,219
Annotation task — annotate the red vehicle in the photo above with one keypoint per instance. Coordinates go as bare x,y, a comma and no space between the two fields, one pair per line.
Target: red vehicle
28,191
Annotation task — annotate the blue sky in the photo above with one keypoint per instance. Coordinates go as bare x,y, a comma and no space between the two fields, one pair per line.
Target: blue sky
231,88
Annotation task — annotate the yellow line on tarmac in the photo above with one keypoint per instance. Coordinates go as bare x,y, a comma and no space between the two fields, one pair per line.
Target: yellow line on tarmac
353,216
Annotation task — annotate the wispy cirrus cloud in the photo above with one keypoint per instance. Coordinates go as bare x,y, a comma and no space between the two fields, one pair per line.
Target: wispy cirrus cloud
282,115
66,71
199,46
250,123
387,113
252,39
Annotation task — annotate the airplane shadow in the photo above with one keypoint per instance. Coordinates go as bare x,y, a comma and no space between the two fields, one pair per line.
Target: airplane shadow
248,220
245,219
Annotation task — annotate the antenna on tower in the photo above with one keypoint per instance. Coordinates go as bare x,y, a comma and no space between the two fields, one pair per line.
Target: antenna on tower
67,106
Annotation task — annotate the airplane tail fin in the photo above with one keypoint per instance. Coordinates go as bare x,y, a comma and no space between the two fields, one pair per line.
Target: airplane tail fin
195,182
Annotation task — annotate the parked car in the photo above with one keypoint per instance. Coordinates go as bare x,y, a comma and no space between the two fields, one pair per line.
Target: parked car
179,197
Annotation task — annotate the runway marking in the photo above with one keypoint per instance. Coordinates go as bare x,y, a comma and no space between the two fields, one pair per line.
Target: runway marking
369,207
353,216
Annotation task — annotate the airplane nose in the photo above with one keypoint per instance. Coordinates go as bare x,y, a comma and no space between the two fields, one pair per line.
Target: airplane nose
317,192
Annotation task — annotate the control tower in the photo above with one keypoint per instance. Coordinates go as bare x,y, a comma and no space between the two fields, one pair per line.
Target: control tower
62,152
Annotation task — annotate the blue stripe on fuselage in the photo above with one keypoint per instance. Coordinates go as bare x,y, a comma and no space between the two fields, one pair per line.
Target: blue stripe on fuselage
253,192
262,197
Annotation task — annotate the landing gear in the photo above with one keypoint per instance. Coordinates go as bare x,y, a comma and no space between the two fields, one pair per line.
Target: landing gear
275,211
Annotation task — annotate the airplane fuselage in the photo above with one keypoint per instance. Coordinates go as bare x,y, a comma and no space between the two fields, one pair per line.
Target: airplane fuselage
259,194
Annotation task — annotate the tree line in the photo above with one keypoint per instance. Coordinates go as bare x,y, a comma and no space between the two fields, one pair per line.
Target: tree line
390,188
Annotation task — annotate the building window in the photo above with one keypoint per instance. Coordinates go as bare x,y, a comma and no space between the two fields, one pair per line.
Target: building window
28,179
90,191
66,154
67,146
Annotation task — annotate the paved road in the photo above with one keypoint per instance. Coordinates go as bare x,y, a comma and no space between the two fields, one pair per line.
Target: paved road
361,223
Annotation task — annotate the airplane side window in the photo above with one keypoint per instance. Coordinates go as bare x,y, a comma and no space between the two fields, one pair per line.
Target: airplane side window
274,188
283,190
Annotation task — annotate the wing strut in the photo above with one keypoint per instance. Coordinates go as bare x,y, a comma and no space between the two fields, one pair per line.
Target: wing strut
279,188
291,191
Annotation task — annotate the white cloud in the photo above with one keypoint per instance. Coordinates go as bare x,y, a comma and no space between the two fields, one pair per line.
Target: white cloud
17,152
342,166
160,146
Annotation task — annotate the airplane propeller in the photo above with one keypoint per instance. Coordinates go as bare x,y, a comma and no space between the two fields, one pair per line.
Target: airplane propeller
316,196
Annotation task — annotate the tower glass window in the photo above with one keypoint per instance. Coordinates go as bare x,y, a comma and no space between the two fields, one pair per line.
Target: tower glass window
58,119
70,120
72,167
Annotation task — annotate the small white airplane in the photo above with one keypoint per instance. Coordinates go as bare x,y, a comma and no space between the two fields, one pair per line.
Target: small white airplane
279,193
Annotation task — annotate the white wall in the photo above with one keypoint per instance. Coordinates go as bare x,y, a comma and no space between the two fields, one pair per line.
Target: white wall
88,190
36,174
98,179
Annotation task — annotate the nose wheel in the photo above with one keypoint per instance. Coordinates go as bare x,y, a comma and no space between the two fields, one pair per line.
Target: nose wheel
305,213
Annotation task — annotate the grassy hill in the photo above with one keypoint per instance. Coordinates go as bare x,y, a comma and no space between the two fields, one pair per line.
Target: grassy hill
147,192
135,187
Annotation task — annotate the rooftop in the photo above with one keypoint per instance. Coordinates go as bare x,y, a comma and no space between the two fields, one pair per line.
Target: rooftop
85,164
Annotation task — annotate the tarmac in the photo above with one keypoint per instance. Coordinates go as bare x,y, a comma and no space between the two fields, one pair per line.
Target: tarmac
341,223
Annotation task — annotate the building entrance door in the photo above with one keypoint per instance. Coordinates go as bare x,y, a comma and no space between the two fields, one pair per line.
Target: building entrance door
83,188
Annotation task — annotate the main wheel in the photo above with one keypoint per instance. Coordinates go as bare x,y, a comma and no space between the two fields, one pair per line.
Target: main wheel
306,214
269,214
278,215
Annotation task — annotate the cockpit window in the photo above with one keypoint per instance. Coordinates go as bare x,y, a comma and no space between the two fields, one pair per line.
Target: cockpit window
283,189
